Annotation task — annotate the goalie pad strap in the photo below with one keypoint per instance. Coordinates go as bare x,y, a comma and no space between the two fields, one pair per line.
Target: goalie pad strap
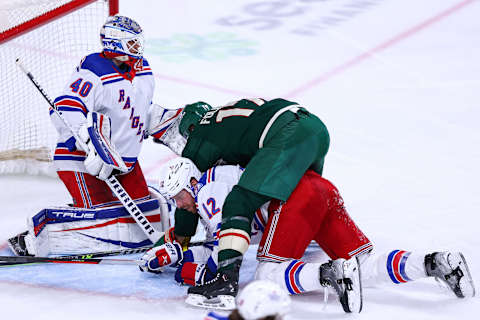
234,239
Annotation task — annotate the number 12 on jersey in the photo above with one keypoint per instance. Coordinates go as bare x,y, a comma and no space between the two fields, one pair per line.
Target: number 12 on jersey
214,210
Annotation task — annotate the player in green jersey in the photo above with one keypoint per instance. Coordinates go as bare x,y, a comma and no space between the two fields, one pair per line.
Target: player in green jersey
275,141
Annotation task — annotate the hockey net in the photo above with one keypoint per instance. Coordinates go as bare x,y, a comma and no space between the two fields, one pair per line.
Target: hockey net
50,37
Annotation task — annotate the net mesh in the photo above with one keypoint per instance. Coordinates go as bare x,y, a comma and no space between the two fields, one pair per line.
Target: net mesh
50,53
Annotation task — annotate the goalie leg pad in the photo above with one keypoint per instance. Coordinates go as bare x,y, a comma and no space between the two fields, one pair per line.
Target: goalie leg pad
66,230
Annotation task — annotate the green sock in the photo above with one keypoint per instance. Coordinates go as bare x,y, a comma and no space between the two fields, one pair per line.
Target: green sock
227,259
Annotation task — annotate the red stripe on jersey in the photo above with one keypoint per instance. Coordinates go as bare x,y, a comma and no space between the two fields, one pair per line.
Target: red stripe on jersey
110,77
71,153
209,175
71,103
260,217
145,70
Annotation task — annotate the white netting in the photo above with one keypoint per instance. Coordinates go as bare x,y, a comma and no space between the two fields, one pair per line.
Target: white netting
50,53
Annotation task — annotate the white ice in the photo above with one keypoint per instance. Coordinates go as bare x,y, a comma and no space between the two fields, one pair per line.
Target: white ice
397,84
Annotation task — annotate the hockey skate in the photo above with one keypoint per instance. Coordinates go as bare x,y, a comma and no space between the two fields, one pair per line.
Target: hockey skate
17,244
218,293
451,269
344,276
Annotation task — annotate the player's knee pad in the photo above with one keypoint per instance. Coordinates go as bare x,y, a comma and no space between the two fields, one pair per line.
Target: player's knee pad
68,230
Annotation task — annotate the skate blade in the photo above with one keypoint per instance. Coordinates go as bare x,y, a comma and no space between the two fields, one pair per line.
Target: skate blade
466,282
353,299
219,303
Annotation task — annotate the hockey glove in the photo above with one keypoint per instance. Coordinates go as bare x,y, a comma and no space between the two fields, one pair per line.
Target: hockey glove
192,271
157,258
102,158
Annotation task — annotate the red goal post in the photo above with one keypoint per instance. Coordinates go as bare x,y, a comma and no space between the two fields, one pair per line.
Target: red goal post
50,37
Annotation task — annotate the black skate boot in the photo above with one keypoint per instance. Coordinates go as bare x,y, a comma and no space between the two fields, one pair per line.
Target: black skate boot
218,293
17,244
344,276
451,268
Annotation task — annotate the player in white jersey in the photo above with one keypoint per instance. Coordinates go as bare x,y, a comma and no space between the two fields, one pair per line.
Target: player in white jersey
107,101
314,211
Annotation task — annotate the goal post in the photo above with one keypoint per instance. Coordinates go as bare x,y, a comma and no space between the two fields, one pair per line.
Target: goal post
50,37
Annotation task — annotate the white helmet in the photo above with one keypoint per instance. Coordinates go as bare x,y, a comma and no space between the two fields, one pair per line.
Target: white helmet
122,36
262,298
176,175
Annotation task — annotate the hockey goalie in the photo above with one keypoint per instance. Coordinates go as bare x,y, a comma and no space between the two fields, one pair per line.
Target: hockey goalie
107,105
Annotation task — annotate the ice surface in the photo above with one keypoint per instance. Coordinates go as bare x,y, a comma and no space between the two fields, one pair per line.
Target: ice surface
397,84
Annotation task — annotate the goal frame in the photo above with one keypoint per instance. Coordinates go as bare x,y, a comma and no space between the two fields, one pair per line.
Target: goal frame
36,158
50,16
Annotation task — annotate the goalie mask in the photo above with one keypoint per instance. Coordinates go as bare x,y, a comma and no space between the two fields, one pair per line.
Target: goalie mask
262,298
122,38
176,176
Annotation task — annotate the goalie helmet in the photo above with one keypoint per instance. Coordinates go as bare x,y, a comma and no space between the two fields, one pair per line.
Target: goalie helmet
192,113
176,176
262,298
122,38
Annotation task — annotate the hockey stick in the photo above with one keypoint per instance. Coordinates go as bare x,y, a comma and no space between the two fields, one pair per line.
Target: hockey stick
112,182
102,254
21,260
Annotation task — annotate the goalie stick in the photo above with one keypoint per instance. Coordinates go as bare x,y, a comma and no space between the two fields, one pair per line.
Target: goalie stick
86,258
112,182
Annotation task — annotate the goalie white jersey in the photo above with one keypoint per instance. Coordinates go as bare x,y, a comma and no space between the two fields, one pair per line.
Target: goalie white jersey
98,85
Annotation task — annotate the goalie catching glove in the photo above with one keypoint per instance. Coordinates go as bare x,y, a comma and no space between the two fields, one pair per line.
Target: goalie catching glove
157,258
172,127
102,158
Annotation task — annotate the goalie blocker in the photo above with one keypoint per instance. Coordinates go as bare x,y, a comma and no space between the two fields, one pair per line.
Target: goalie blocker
70,230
